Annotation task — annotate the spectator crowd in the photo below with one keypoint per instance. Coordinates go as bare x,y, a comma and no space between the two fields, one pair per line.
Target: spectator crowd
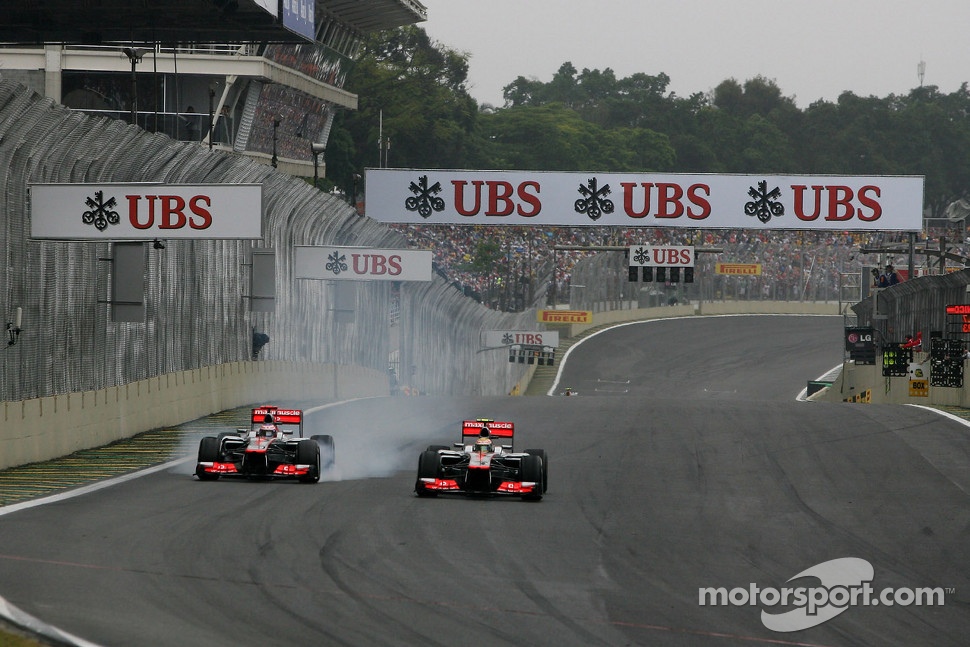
794,264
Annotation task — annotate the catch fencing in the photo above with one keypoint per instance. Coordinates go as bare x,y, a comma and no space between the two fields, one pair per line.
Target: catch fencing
916,306
198,307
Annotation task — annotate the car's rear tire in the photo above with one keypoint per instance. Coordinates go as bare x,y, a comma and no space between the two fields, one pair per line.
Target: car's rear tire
429,466
208,453
327,451
308,453
541,453
531,470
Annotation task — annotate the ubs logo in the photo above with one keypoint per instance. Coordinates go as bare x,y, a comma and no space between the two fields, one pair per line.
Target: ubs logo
101,212
161,211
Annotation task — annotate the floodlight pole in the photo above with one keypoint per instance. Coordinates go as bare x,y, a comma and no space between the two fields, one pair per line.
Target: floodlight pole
134,91
134,55
212,96
316,149
276,124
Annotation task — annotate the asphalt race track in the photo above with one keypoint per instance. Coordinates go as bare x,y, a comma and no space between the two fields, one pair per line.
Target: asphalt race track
684,463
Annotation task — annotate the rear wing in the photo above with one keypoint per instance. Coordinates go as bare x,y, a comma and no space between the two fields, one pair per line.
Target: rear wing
289,421
471,429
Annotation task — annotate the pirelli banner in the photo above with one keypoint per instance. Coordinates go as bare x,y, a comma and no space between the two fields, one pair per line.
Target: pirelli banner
696,201
565,316
738,269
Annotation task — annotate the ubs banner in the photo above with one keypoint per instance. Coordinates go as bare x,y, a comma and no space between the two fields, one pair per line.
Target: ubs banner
144,211
498,338
362,264
868,203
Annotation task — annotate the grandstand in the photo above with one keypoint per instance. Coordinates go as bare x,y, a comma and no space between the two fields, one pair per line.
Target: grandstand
228,74
793,265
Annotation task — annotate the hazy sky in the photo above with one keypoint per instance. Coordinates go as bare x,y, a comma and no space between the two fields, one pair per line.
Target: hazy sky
812,49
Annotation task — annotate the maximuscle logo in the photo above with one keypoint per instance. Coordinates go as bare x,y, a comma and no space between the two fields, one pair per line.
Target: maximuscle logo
843,582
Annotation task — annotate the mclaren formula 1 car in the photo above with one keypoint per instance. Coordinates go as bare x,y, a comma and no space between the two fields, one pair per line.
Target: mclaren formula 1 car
483,463
273,446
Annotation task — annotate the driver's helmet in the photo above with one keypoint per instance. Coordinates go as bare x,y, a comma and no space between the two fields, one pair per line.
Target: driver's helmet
483,445
267,431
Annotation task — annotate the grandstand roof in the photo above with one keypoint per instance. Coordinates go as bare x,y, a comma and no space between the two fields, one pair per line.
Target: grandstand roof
183,21
375,16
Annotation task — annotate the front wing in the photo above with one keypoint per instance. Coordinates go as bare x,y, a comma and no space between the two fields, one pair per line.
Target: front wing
456,476
277,462
457,486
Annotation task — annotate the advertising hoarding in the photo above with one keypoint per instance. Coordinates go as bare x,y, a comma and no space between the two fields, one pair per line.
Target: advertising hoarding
696,201
362,264
145,211
661,256
496,338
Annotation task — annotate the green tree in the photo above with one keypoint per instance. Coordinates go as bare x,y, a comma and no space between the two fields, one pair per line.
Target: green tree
555,138
414,109
486,262
592,120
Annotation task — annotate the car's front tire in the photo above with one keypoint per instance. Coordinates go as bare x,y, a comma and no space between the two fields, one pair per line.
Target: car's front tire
429,466
208,453
541,453
531,470
308,453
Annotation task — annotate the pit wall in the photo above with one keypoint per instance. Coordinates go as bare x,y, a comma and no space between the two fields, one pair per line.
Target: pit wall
865,384
45,428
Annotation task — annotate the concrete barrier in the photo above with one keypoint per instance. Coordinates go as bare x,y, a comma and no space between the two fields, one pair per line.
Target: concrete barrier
44,428
768,307
700,308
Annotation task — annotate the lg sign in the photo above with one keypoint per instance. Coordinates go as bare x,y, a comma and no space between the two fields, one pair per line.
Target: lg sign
714,201
145,211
